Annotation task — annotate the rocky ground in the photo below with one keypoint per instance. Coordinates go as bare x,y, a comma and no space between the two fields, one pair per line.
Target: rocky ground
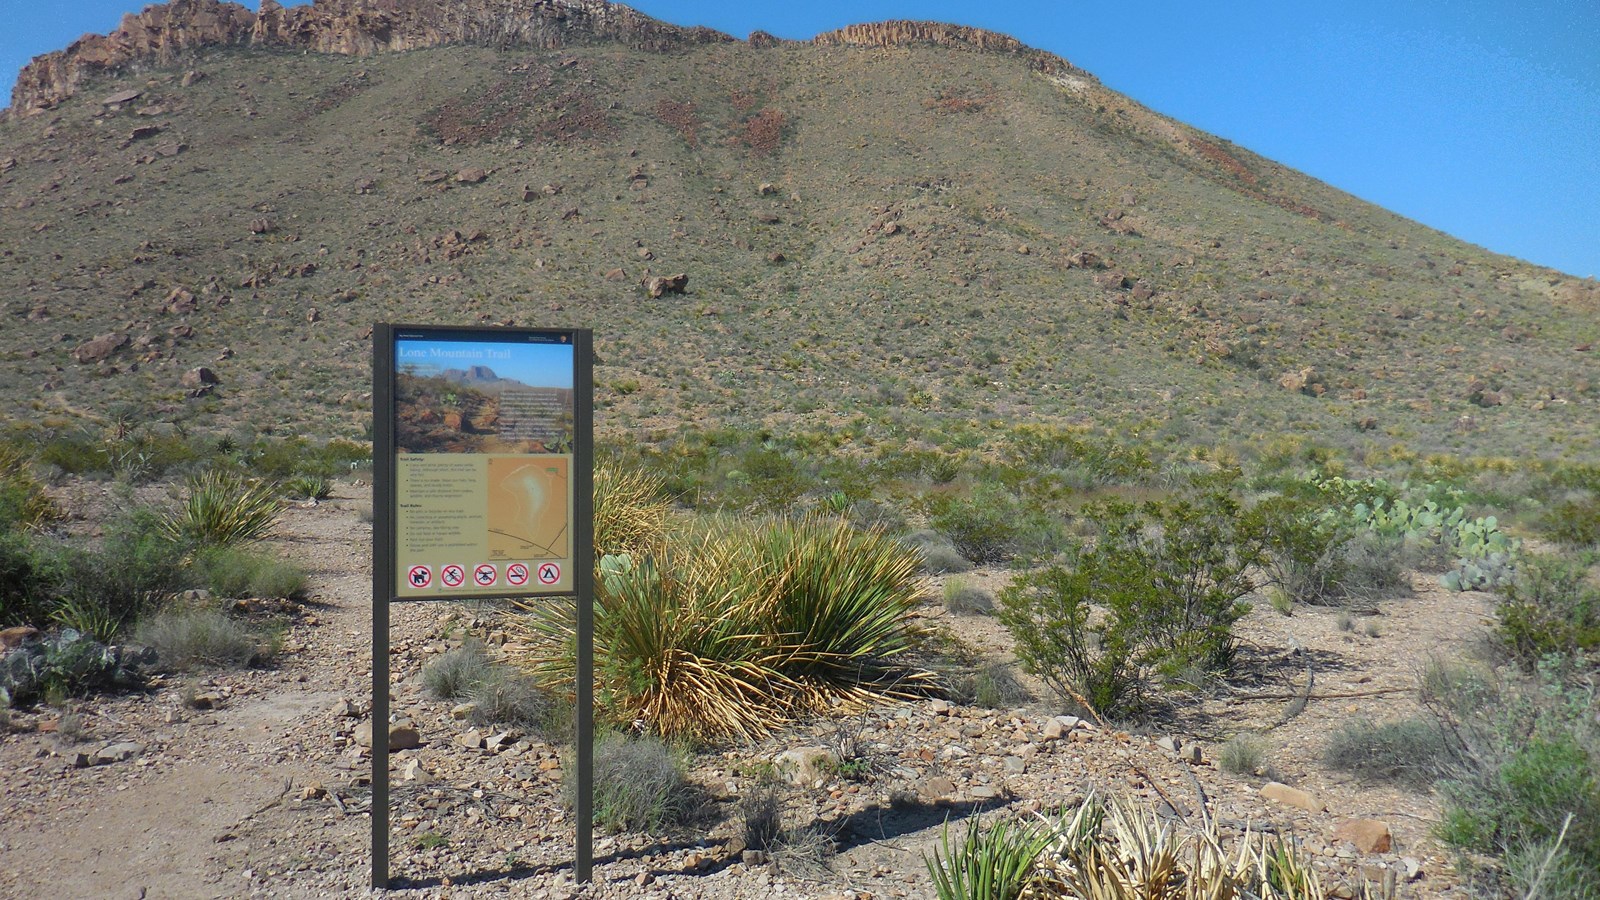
257,783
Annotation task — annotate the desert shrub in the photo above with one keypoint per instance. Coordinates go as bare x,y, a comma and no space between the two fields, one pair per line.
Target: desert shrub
134,568
987,526
993,862
223,507
735,628
454,674
1242,754
24,503
1548,608
1574,520
994,686
187,640
761,810
639,784
1412,751
961,597
938,556
28,582
234,572
630,509
1170,576
506,697
767,479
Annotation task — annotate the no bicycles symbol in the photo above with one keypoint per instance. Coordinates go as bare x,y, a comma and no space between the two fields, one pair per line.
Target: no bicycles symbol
516,574
452,575
549,573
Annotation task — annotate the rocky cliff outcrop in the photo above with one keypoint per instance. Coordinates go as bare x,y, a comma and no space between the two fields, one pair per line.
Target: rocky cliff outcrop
161,33
904,32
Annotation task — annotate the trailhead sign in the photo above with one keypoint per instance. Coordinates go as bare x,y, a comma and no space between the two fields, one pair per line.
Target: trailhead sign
483,443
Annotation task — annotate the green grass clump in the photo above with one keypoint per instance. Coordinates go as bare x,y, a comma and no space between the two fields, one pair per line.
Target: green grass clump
740,626
223,507
1242,754
237,572
1412,752
963,598
308,487
188,640
454,674
640,784
993,862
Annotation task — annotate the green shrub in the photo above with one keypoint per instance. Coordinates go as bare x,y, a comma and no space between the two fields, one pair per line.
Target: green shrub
237,572
992,525
28,582
24,503
639,784
1170,577
1574,521
1412,752
735,629
133,569
1548,608
187,640
223,507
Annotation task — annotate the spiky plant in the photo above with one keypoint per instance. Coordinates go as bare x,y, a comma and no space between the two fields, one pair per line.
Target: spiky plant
738,627
996,862
630,510
223,507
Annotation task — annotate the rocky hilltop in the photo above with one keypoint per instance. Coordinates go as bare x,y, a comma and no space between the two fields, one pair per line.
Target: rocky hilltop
163,32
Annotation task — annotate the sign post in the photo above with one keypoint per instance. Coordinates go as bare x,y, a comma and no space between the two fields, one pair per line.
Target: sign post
483,450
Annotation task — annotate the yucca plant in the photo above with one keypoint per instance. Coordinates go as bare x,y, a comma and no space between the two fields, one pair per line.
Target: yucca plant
736,627
630,510
992,863
308,487
223,507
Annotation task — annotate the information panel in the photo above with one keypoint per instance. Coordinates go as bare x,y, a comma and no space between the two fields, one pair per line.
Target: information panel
483,436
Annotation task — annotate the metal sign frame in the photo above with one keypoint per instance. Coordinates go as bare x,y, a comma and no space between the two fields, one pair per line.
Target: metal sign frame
385,574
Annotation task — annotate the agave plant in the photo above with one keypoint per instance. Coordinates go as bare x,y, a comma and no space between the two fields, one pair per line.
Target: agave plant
996,862
223,507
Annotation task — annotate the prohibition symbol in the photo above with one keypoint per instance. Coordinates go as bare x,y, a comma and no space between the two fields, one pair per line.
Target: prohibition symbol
452,575
420,576
549,573
484,574
516,574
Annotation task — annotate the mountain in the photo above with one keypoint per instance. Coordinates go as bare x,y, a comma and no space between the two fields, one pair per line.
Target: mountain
895,230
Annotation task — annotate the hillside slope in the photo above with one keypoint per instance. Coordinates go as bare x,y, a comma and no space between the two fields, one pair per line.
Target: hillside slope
894,229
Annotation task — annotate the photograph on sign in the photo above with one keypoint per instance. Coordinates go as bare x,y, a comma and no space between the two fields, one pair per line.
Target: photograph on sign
483,440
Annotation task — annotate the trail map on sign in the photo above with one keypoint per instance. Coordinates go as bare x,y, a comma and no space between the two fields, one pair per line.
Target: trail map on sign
528,507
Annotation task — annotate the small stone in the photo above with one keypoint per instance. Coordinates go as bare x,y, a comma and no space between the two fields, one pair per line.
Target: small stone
1169,744
643,879
754,857
471,175
937,786
1015,765
462,710
804,765
1289,796
118,752
472,740
1368,835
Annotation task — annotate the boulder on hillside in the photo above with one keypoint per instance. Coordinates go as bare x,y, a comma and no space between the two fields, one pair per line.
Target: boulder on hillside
100,348
666,284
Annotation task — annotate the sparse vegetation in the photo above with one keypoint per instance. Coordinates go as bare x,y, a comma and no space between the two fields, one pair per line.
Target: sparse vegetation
639,784
187,640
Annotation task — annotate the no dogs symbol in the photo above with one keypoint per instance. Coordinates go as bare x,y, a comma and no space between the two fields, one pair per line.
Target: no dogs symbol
419,576
549,573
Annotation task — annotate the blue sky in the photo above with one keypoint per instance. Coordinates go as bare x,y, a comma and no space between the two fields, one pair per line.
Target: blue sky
535,365
1480,118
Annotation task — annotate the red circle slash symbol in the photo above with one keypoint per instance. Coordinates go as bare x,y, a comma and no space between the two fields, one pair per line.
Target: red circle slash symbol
517,574
419,576
549,573
484,575
452,575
